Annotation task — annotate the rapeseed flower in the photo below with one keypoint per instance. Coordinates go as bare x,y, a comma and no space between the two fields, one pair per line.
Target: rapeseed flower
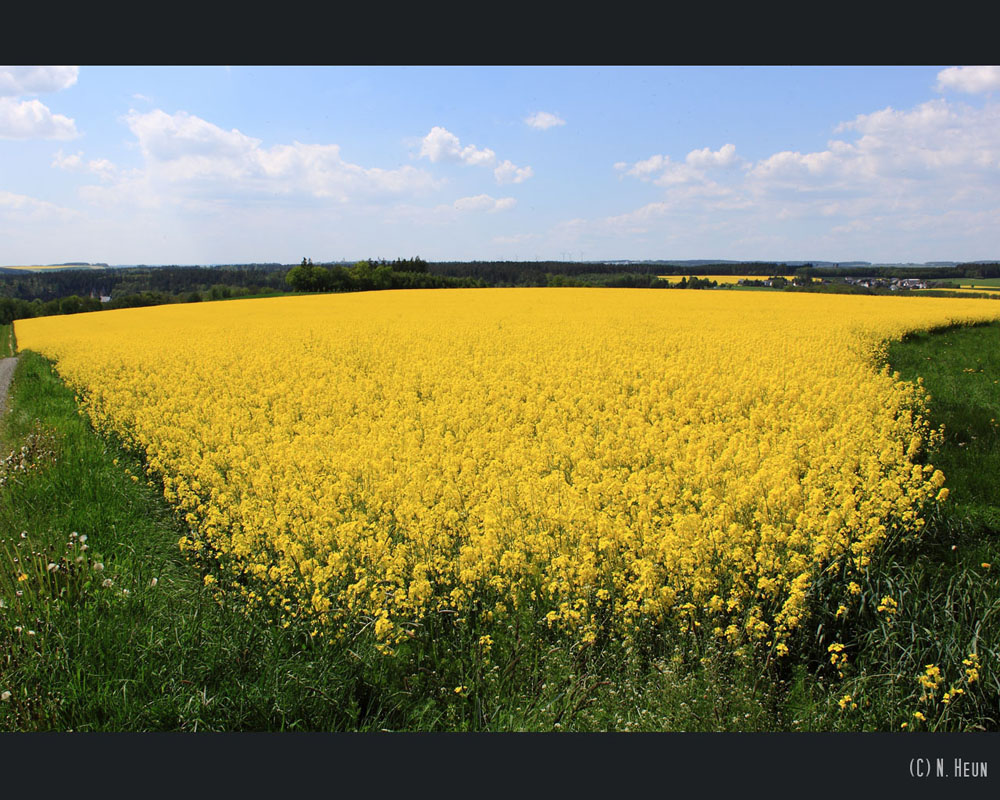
604,460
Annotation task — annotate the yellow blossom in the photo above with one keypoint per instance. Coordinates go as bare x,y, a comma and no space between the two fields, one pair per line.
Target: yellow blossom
605,461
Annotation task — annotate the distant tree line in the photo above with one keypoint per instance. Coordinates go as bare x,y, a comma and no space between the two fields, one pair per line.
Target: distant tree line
537,273
42,293
116,281
371,275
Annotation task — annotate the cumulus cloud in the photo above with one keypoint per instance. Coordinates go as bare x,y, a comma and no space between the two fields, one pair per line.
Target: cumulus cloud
442,145
62,161
509,173
15,81
661,170
99,166
890,173
935,143
972,80
705,158
31,119
543,120
192,155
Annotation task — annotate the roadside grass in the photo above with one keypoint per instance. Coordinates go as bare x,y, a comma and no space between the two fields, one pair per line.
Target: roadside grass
7,348
106,625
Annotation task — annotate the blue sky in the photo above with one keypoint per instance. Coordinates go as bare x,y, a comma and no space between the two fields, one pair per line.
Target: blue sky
192,165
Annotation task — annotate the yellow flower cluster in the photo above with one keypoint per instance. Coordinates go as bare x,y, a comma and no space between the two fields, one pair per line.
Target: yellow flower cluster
604,460
888,606
931,680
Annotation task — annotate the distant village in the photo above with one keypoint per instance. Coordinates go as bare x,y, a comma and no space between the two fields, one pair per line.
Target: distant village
893,284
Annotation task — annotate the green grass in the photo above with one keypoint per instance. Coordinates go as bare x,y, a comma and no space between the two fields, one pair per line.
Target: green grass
6,341
143,644
976,282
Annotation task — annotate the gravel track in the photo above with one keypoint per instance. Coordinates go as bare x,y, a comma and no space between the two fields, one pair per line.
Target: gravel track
6,373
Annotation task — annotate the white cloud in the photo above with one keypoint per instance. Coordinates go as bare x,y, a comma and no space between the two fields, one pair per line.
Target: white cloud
642,169
483,202
442,145
509,173
15,81
938,144
31,119
103,168
705,158
662,171
972,80
74,161
171,137
906,178
543,120
186,155
99,166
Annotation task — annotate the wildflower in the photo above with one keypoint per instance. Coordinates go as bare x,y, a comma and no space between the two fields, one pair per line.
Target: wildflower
919,715
5,697
930,680
98,567
951,694
153,582
846,701
107,583
888,606
853,588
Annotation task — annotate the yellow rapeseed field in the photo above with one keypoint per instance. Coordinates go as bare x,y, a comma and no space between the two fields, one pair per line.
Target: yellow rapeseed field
605,460
723,279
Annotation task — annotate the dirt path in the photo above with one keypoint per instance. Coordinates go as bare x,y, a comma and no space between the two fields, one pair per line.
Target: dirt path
6,373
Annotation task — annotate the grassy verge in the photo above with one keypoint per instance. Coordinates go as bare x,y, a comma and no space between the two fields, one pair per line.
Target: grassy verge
7,348
106,626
